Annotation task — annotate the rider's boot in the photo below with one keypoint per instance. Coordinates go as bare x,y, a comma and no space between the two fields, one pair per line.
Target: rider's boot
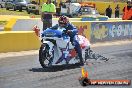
81,59
79,52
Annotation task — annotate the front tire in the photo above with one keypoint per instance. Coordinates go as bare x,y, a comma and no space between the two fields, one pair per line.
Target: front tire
7,8
1,6
20,9
14,8
28,11
44,57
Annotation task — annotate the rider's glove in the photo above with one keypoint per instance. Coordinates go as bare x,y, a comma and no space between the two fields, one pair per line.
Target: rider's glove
69,31
64,31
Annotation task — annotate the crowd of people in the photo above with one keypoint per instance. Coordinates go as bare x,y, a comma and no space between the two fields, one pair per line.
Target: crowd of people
109,11
127,11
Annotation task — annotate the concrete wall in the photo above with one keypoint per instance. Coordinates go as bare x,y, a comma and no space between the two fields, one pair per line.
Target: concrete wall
101,31
84,28
110,30
13,41
22,38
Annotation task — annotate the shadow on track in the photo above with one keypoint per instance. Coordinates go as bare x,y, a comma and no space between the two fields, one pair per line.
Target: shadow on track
55,68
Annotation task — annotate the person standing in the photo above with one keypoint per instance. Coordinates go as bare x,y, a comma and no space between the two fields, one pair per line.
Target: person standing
108,11
48,9
117,9
127,11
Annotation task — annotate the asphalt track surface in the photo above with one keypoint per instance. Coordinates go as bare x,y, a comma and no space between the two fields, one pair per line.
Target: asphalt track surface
26,72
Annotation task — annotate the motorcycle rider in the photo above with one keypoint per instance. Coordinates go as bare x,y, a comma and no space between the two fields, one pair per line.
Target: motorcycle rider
71,30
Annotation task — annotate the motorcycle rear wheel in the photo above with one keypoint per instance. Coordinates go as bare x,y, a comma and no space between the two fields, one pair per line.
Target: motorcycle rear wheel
44,57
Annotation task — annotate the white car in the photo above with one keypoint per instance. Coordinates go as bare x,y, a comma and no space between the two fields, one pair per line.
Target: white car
33,8
2,3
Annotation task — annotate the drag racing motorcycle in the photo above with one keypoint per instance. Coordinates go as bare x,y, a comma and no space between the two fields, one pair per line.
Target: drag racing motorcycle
56,48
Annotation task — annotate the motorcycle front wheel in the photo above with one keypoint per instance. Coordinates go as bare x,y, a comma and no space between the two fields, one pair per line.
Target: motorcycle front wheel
45,58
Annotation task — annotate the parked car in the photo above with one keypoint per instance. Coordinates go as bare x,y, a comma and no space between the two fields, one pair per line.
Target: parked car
89,11
16,4
2,3
33,7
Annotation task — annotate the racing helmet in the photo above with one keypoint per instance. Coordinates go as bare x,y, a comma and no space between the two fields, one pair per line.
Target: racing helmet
63,20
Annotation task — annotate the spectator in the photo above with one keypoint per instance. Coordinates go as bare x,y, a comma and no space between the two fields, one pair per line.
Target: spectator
61,4
127,11
48,9
117,9
55,3
108,11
